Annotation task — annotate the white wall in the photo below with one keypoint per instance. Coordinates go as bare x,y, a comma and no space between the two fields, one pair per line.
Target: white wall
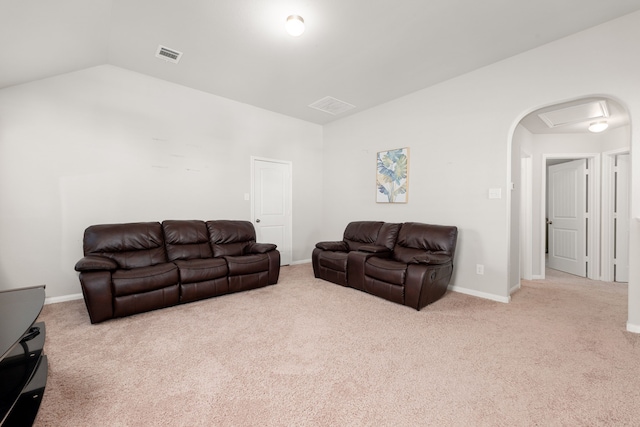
106,145
460,136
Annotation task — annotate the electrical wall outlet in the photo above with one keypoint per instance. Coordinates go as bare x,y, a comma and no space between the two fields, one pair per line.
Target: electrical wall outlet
479,269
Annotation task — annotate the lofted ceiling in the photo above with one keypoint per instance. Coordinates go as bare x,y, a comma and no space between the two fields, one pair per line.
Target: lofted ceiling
362,52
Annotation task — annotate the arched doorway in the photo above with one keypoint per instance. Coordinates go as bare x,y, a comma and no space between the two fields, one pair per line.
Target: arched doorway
558,133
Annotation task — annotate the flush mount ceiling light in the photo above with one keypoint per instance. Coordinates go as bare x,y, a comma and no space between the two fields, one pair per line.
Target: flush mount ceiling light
598,126
294,25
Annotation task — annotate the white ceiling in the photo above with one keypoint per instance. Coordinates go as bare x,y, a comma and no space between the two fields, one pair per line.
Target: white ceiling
616,116
363,52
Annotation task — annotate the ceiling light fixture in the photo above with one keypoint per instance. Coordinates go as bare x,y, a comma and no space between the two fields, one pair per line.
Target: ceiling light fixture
598,126
294,25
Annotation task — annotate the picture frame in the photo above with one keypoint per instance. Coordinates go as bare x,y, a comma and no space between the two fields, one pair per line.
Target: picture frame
392,176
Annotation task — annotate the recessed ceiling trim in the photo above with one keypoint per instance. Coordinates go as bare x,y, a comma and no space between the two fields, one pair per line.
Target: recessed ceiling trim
332,105
575,114
170,55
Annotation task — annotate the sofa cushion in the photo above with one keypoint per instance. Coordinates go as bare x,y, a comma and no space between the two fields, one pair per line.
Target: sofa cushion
333,260
131,245
186,239
144,279
260,248
247,264
200,270
230,237
386,270
94,262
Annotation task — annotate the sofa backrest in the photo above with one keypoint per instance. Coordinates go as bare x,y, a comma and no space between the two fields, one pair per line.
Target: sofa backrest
131,245
360,233
230,237
186,239
415,239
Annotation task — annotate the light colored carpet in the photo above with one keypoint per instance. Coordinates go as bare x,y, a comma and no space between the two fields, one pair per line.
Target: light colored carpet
306,352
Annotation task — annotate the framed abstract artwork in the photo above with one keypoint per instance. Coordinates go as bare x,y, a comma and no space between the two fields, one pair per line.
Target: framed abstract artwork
392,176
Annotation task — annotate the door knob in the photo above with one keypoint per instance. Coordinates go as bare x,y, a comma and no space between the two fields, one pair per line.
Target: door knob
257,220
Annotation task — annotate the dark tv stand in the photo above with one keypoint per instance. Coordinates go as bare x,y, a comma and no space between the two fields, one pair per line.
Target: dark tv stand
23,366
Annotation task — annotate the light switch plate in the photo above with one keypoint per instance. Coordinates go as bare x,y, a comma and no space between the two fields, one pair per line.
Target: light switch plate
495,193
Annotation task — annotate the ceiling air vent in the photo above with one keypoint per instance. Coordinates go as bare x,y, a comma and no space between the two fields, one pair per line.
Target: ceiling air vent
331,105
167,54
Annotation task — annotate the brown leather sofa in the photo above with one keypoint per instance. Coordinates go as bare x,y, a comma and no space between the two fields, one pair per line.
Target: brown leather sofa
136,267
409,263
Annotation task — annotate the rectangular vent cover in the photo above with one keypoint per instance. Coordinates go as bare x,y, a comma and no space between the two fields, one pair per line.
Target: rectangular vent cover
167,54
575,114
331,105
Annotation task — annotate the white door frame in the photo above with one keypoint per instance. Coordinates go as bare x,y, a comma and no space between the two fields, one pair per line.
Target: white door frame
608,204
286,253
593,215
526,222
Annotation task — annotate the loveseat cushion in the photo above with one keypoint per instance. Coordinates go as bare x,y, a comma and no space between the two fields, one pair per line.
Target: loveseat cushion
360,233
386,270
131,245
388,235
333,246
144,279
428,237
333,260
200,270
186,239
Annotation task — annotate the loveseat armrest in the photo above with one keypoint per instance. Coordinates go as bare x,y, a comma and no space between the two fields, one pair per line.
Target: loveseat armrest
374,249
426,283
96,263
340,246
260,248
432,258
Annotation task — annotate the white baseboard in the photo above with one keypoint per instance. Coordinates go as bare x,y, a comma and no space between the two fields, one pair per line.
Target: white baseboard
514,288
479,294
537,277
302,261
64,298
633,328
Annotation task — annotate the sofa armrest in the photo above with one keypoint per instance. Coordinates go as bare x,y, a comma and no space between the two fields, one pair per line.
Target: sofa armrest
95,262
333,246
98,297
432,258
260,248
374,249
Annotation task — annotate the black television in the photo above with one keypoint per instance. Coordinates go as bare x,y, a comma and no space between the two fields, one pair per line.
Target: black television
23,366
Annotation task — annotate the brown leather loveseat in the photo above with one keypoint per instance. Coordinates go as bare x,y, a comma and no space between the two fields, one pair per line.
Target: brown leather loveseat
137,267
409,263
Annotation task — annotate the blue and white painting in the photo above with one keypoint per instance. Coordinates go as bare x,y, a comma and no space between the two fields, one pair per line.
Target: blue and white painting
392,176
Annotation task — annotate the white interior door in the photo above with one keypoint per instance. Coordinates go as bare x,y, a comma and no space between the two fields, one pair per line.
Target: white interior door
622,214
567,217
271,204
